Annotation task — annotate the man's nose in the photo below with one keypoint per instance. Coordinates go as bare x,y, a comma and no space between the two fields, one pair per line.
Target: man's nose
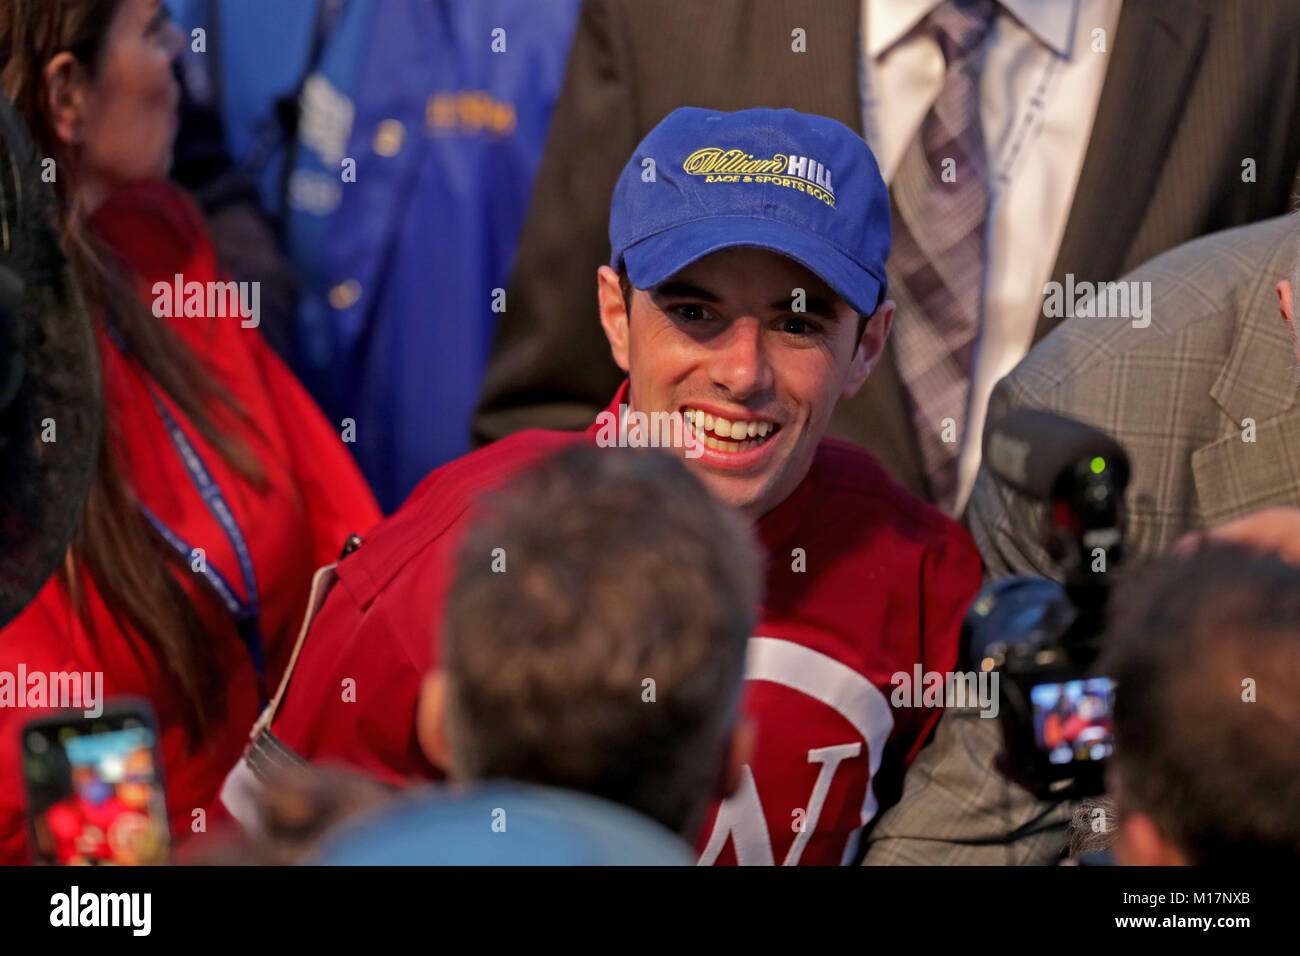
174,41
740,363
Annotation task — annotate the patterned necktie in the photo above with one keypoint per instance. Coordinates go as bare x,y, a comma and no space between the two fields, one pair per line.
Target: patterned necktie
940,204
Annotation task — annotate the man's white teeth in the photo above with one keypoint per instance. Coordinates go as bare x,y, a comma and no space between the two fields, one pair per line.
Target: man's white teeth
714,431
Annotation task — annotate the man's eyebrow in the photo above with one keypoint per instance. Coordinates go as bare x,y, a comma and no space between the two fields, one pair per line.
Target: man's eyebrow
812,305
676,289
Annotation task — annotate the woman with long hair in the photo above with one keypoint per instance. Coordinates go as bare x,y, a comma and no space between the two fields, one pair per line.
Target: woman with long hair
220,486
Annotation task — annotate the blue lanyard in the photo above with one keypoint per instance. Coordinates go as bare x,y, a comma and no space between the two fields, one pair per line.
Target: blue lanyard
243,612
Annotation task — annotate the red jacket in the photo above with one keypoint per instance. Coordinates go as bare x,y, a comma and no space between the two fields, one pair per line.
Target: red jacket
885,583
314,498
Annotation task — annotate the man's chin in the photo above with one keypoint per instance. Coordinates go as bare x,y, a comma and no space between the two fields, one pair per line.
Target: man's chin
743,494
749,481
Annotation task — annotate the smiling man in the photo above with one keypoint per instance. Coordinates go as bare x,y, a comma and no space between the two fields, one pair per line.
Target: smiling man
720,342
746,294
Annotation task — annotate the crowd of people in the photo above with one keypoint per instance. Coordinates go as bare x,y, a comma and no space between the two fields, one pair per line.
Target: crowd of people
822,238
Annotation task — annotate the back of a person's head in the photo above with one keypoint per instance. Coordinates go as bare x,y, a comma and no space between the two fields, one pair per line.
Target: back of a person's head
595,633
1205,650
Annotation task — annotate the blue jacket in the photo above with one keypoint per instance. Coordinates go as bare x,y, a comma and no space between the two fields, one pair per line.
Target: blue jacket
420,133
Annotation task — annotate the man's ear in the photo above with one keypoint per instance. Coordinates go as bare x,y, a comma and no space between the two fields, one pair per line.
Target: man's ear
431,721
870,347
1141,844
739,751
613,315
65,85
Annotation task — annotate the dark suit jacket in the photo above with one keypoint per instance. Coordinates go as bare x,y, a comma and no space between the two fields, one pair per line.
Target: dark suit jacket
1192,90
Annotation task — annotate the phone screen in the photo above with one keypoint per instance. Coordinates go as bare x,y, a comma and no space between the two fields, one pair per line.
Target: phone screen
1072,719
94,790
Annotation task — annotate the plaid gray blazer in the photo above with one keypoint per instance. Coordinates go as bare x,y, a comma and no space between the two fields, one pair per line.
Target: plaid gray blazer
1185,395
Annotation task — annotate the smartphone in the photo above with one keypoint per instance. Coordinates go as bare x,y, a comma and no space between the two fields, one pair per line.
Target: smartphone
94,787
1072,719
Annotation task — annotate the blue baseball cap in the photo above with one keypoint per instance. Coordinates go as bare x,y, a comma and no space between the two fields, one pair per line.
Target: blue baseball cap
803,186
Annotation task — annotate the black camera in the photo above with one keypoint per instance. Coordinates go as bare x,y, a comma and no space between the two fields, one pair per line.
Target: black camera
1042,638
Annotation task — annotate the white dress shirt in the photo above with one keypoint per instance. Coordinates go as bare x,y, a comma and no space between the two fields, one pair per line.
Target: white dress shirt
1039,90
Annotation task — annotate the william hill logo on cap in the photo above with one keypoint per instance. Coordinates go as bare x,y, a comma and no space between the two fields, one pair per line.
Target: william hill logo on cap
803,173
